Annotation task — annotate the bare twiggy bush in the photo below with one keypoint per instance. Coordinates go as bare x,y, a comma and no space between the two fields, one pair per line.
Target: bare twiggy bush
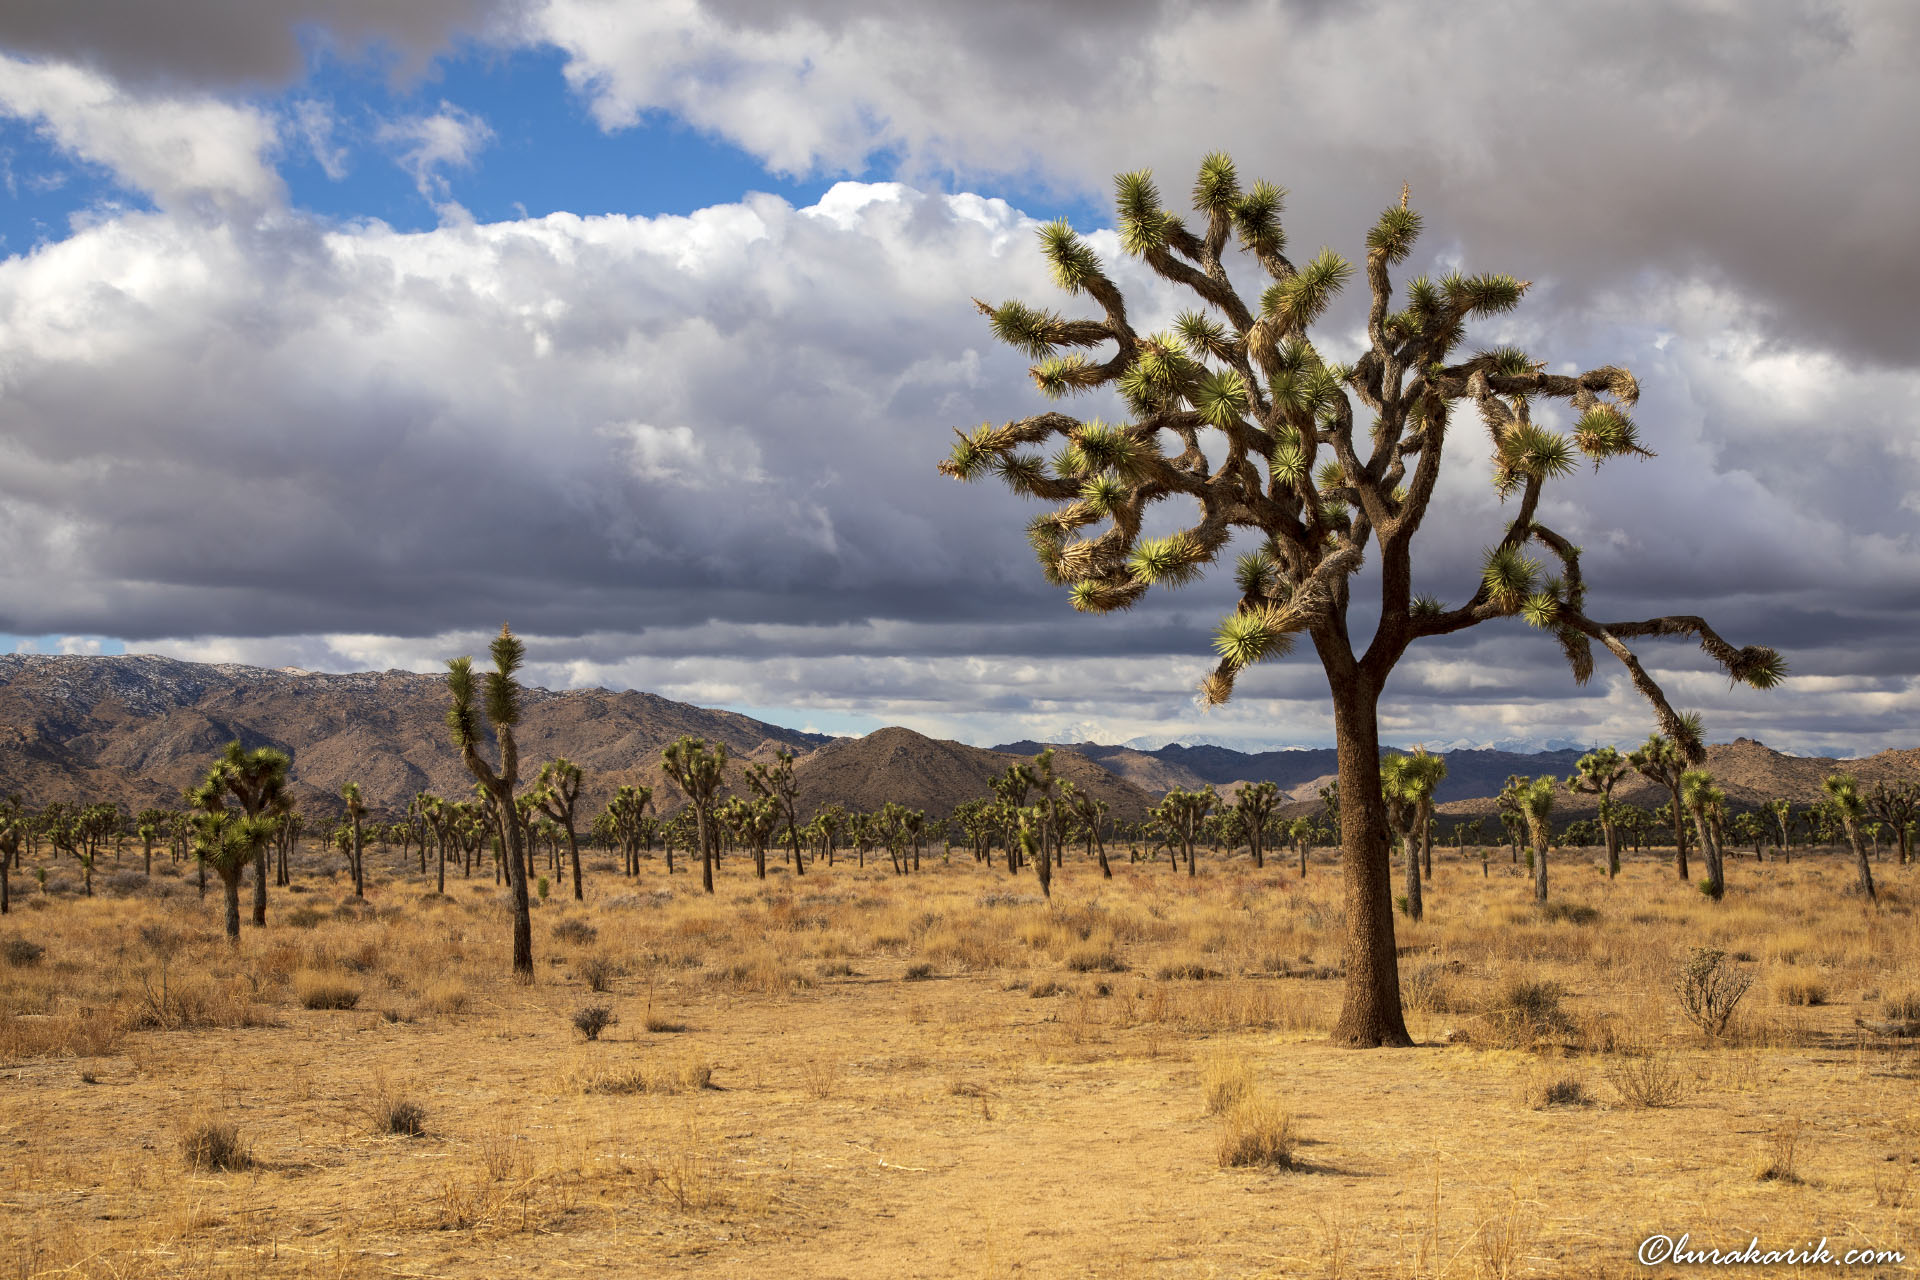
819,1077
1521,1012
213,1144
598,972
315,989
1433,988
1647,1078
1553,1084
1710,989
590,1020
1255,1132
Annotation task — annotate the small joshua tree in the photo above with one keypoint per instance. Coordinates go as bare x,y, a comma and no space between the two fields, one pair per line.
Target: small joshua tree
1596,774
1898,806
1323,466
1706,803
1412,782
1661,760
699,771
503,712
1845,803
355,845
1536,806
776,783
556,790
1255,804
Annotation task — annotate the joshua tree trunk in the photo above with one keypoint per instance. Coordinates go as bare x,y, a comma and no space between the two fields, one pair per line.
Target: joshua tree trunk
1679,837
1612,836
1716,886
1540,862
260,888
230,884
706,849
1414,906
1860,860
1370,1013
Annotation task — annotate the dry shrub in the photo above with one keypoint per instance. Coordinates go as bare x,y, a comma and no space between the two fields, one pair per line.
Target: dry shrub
1433,988
316,989
213,1144
446,996
1801,987
819,1076
1503,1237
1710,989
1553,1084
1520,1013
598,971
762,971
1095,956
1226,1079
919,972
590,1020
1187,967
395,1113
1646,1078
575,931
1779,1159
1903,1006
195,1002
19,953
80,1034
1255,1132
1570,913
686,1076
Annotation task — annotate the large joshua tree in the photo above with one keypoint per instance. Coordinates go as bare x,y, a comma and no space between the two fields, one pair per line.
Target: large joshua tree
502,703
1662,760
1319,463
1844,802
1706,802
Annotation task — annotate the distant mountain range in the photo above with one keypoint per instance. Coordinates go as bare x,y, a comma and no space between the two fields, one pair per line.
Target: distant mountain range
138,730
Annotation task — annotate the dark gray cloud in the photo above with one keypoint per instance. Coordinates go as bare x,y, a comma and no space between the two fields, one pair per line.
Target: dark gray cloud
221,44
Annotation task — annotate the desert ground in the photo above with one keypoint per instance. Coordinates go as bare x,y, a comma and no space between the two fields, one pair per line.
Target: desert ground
856,1074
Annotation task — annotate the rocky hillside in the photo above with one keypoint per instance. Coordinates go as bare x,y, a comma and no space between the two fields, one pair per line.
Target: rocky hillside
926,773
140,729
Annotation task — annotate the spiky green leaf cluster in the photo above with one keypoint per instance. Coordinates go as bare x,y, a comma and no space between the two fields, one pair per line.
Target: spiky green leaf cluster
1393,235
1031,329
1604,431
1074,263
1109,448
1483,295
1171,561
1216,189
1220,398
1063,375
1528,450
1256,218
1541,609
1508,576
1252,635
1144,225
1303,298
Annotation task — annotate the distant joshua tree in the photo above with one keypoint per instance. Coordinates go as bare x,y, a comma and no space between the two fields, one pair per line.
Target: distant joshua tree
1898,806
13,826
1843,800
699,771
555,791
1596,774
227,839
1330,467
1707,802
776,783
1413,782
1661,760
1536,806
502,699
355,845
1255,803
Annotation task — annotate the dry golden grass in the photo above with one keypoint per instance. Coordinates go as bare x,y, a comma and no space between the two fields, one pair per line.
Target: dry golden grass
855,1074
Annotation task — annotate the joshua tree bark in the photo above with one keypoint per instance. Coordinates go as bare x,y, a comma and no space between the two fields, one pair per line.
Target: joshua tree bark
1843,796
503,712
356,847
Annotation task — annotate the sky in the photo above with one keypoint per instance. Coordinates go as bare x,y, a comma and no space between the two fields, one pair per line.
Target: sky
334,333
